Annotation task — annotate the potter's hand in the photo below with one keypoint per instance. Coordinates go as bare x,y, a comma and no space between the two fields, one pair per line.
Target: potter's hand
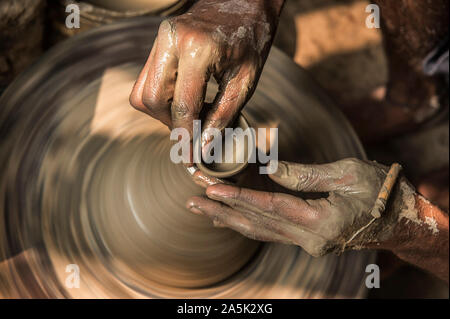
318,226
229,39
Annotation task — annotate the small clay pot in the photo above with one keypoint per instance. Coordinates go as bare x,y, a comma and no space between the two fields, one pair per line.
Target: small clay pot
224,170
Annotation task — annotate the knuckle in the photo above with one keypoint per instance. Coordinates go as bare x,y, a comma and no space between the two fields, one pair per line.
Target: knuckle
153,101
236,197
352,162
134,99
249,231
306,178
216,122
136,102
317,250
217,220
180,111
354,167
166,27
192,38
318,253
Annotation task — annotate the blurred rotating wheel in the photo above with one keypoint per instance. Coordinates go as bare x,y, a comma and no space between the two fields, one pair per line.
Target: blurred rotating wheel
87,184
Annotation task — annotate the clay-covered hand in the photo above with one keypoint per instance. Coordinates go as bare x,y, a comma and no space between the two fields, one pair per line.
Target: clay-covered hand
335,222
228,39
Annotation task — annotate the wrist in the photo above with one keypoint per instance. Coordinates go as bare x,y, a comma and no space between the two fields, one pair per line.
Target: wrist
421,224
380,233
400,208
412,218
416,231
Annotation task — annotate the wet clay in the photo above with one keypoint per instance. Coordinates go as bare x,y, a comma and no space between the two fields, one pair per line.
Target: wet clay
87,180
240,153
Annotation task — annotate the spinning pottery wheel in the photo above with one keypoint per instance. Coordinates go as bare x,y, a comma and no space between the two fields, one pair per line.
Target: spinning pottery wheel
86,180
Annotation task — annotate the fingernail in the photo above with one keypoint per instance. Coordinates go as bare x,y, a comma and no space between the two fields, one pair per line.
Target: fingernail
195,210
282,170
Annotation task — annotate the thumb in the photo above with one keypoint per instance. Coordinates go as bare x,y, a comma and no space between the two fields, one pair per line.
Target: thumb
307,177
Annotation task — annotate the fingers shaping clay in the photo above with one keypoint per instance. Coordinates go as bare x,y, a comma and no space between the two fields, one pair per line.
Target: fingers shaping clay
240,152
86,183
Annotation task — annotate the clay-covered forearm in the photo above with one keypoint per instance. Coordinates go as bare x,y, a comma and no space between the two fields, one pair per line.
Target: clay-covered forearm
421,235
424,238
